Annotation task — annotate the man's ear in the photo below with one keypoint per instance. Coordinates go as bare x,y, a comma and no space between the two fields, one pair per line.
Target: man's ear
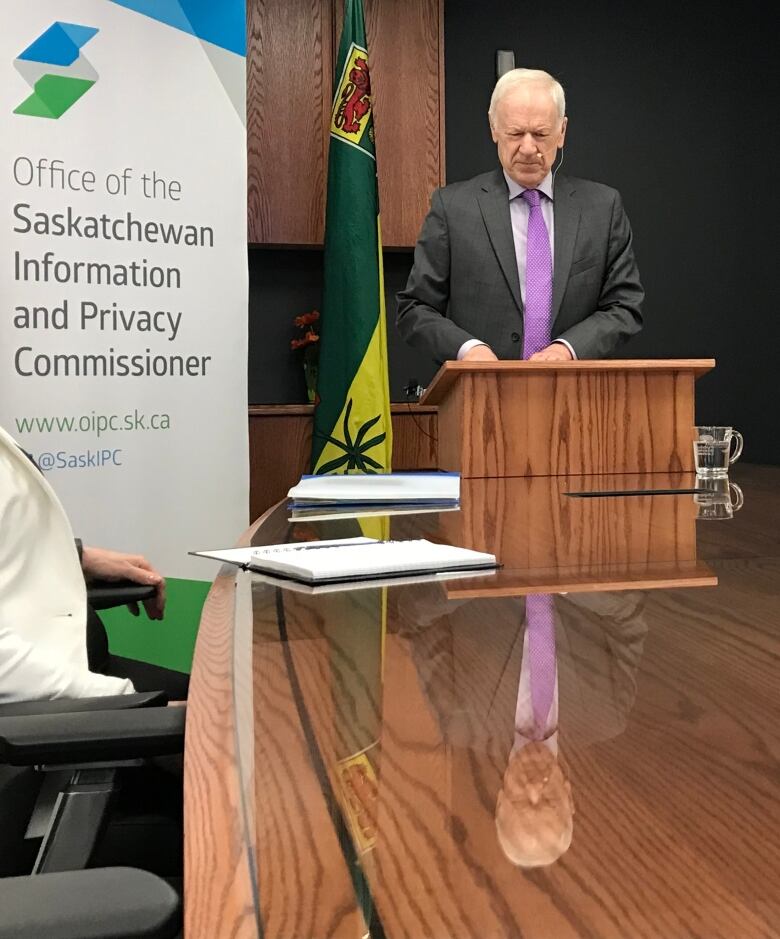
564,124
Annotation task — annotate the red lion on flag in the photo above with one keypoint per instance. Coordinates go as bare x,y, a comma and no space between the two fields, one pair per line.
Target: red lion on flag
355,98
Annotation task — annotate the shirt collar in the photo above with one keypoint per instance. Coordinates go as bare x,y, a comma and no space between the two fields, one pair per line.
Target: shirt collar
550,741
545,186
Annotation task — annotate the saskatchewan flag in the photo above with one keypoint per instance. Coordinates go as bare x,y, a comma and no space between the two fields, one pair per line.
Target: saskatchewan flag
352,432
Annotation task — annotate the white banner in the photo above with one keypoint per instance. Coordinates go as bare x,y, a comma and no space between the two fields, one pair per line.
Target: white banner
123,266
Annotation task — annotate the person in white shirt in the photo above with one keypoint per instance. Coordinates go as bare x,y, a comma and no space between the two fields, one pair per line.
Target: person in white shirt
43,596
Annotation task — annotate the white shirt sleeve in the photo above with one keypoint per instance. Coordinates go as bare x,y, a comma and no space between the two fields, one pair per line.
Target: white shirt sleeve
469,344
29,674
568,346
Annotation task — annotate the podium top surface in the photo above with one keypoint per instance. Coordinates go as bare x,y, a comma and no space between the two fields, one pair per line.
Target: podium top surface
451,371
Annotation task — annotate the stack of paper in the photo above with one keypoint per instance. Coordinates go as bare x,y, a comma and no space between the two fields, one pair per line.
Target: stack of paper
332,511
377,490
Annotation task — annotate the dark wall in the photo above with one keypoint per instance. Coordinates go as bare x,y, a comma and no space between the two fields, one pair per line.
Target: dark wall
673,105
286,282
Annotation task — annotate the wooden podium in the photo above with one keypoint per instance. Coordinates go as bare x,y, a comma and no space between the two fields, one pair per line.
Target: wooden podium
561,418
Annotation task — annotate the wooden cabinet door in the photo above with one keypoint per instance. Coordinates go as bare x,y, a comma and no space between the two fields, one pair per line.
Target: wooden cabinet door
289,84
406,58
291,49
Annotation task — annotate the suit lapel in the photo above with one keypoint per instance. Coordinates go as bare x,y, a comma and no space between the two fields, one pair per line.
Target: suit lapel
567,222
493,200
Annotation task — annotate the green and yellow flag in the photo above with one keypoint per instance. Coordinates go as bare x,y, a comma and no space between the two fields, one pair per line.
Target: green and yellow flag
352,432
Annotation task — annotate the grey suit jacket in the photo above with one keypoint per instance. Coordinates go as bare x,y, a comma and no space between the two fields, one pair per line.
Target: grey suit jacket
472,683
464,283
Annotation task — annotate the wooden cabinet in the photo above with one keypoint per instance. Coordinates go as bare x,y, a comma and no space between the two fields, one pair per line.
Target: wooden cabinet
291,49
289,69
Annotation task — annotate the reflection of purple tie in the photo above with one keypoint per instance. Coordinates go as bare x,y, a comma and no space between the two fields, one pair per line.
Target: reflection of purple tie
538,279
540,623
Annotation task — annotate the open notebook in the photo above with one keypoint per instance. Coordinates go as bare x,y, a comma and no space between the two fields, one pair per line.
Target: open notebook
348,559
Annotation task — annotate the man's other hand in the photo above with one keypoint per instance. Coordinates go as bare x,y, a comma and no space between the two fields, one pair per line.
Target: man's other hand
555,352
102,564
480,353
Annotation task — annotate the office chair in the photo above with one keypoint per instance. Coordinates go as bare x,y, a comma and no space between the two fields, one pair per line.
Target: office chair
20,786
102,595
83,753
88,747
105,594
104,903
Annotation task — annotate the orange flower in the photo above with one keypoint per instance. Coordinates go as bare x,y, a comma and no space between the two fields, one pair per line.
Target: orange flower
309,339
306,319
305,322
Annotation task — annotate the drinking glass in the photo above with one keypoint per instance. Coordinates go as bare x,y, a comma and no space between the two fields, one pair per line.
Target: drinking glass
717,499
712,452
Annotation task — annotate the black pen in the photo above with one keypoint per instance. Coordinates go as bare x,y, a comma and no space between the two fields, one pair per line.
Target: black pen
638,492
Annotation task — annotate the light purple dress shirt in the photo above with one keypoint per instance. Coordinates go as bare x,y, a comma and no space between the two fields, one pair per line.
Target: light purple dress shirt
518,212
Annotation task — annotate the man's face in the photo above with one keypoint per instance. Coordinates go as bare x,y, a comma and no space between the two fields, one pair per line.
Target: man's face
528,133
534,809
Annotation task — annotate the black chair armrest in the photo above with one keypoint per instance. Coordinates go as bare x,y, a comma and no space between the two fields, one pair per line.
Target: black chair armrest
114,702
103,594
105,903
88,737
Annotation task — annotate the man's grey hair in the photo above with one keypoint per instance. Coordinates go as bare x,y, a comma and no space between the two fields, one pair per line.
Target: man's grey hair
517,77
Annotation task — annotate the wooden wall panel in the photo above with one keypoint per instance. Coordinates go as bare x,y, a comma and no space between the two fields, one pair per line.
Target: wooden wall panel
291,51
406,49
289,81
280,447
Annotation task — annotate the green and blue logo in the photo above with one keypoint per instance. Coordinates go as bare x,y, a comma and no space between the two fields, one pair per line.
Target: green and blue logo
56,70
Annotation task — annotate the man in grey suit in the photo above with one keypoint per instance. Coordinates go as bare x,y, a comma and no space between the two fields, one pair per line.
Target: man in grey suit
523,262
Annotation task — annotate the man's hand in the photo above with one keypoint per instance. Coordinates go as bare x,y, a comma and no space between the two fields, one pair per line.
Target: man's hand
555,352
480,353
102,564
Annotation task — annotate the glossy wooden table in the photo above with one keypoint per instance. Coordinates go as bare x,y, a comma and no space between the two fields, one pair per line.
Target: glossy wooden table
347,752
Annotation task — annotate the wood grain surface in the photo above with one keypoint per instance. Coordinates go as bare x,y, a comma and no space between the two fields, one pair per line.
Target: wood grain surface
379,725
289,64
406,50
546,418
219,847
451,372
218,881
549,542
291,53
295,826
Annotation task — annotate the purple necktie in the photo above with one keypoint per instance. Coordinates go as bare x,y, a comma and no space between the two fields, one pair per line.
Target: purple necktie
540,623
537,324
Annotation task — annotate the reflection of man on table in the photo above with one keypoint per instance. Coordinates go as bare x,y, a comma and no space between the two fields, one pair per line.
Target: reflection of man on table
575,659
534,809
521,262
